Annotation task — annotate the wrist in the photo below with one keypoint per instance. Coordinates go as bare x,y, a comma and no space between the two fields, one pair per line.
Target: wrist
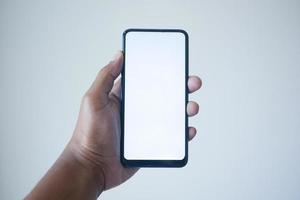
69,178
86,165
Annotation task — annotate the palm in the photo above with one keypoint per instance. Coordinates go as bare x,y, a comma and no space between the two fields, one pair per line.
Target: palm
108,146
102,139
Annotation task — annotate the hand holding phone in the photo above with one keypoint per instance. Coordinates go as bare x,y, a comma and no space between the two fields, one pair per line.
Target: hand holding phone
90,162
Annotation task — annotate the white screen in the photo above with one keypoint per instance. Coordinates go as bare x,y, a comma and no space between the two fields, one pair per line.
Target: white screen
154,107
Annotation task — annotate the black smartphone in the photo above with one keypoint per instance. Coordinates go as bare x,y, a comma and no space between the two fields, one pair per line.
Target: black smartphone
154,122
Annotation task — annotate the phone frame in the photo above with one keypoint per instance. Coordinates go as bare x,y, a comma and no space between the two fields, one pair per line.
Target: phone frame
154,163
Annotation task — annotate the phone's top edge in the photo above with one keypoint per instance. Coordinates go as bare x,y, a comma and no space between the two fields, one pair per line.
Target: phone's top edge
154,30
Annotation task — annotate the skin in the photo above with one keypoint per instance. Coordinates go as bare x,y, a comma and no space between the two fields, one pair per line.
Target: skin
90,163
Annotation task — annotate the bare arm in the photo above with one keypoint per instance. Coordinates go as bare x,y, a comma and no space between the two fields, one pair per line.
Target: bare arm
68,179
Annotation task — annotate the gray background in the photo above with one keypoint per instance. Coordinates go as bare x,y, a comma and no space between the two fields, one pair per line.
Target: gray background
247,53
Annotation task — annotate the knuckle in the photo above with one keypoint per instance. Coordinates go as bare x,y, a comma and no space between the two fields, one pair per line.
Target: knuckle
88,99
104,71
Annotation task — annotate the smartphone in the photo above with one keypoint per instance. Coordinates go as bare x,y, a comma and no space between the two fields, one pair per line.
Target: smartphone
154,122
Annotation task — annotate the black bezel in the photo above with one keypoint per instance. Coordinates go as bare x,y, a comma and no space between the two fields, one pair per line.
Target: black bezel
154,163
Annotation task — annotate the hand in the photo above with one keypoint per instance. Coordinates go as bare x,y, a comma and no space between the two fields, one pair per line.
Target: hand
96,139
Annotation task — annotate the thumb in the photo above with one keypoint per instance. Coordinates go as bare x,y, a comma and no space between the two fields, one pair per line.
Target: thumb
104,81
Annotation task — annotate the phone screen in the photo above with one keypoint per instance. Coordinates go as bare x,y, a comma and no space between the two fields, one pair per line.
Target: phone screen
154,95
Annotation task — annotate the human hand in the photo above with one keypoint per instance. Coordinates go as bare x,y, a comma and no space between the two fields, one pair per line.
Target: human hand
96,139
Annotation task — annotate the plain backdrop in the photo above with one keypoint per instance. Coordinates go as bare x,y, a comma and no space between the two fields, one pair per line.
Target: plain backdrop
246,52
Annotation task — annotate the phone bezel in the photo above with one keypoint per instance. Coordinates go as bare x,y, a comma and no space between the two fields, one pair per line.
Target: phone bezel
154,163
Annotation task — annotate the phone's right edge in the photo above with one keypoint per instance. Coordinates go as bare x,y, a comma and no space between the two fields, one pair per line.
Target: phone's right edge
183,162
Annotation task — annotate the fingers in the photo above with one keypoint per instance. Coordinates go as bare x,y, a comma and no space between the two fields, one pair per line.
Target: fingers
192,108
194,83
105,78
192,133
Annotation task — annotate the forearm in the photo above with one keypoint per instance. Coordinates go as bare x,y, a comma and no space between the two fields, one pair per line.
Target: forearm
67,179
